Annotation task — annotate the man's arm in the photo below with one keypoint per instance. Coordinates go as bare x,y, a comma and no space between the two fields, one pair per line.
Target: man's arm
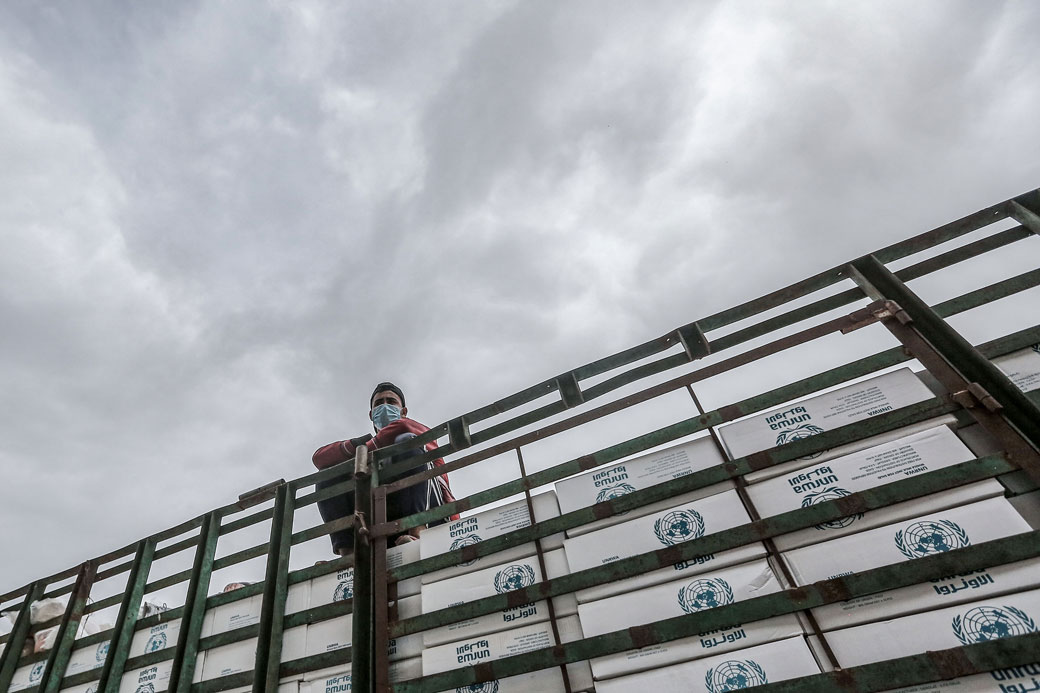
340,451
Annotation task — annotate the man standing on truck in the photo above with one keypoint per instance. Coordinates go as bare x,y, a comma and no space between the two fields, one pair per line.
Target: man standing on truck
388,412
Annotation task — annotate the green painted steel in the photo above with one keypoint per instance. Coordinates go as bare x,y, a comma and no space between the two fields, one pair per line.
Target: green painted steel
674,350
863,501
123,634
62,650
942,665
980,556
362,662
13,648
276,588
195,606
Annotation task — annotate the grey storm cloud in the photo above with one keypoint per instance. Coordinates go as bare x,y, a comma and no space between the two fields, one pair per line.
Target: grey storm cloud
222,223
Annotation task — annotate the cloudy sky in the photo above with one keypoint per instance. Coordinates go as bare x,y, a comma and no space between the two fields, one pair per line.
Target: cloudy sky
222,222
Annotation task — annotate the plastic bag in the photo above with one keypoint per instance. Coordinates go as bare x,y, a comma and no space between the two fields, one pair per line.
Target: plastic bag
151,608
44,639
45,609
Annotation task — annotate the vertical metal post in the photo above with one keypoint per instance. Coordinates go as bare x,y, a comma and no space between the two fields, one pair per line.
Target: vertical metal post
553,622
361,665
123,635
59,657
13,649
380,599
195,606
1018,409
276,589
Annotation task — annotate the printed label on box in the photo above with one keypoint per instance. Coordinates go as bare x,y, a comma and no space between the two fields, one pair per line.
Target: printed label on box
824,412
907,540
617,480
494,646
485,525
1022,367
688,596
754,666
498,579
965,624
667,528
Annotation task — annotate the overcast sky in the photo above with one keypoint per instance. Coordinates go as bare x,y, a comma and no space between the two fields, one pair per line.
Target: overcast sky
223,222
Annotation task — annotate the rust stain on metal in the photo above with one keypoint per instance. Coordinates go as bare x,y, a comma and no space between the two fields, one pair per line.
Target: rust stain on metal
602,510
586,462
484,671
833,590
469,553
845,680
851,505
641,636
759,460
730,412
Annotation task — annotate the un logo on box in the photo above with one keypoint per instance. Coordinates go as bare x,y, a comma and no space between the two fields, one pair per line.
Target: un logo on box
705,594
514,577
678,526
486,687
991,623
829,494
36,673
734,675
465,541
925,538
803,431
344,590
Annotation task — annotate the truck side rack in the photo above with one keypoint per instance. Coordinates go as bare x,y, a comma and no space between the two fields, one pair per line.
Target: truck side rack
845,312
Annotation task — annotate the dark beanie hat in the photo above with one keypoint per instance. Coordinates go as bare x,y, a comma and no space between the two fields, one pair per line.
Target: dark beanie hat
383,387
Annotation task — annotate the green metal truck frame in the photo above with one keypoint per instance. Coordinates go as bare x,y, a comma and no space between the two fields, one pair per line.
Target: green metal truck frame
976,391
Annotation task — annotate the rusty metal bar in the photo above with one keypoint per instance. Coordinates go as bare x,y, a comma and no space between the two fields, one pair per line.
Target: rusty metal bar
13,650
59,656
123,634
276,589
362,666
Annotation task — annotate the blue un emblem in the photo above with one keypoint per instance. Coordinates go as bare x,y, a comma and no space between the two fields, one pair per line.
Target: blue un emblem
1036,348
615,491
156,642
926,538
803,431
101,652
514,577
344,590
734,675
991,623
146,688
678,526
705,594
469,540
829,494
486,687
36,673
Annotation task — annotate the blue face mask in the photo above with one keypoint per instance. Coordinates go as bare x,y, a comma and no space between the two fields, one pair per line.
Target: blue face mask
384,414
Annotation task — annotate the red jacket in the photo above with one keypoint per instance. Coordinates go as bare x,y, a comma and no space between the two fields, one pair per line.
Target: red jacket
344,450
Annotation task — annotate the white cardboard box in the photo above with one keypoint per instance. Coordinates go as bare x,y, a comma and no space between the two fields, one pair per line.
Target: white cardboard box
917,453
1012,614
246,612
541,681
338,679
291,685
494,646
1012,680
87,658
155,638
241,656
488,582
1022,367
951,529
339,586
485,525
28,675
642,534
642,472
775,661
336,633
822,412
157,676
680,597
